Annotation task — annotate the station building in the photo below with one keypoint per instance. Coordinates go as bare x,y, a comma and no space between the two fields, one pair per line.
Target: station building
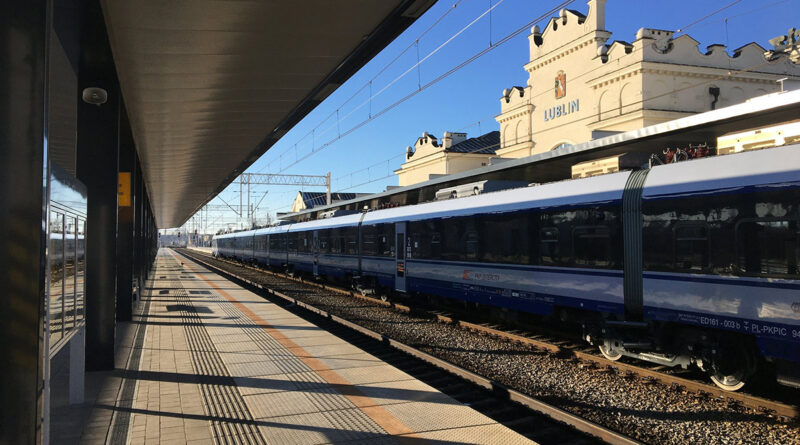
582,86
431,158
309,200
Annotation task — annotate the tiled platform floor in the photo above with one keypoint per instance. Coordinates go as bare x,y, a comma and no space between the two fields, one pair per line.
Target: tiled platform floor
215,363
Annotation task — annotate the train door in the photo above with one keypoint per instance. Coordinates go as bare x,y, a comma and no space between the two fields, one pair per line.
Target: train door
266,249
315,252
400,257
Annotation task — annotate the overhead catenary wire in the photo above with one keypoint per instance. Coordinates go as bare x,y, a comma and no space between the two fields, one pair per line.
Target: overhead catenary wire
617,108
372,116
367,84
408,70
424,87
683,28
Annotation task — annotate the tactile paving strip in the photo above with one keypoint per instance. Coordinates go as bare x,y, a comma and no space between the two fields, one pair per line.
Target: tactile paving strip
122,416
231,420
352,423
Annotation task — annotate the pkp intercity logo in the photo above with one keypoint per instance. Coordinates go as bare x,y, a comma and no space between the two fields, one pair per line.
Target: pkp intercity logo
479,276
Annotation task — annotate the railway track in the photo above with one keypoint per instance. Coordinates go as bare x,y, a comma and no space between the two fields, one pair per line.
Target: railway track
537,420
774,409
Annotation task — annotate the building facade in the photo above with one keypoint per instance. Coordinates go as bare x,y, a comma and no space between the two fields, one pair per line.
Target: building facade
431,158
309,200
581,85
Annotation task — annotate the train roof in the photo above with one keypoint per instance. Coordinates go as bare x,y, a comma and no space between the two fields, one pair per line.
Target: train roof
598,189
727,172
556,164
328,223
270,230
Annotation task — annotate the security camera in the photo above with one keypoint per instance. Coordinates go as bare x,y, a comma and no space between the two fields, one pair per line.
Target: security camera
95,96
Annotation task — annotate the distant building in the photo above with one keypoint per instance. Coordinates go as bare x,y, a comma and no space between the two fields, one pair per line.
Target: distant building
581,86
308,200
431,158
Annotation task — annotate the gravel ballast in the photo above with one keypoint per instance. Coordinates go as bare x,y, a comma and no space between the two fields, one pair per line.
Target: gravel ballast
647,411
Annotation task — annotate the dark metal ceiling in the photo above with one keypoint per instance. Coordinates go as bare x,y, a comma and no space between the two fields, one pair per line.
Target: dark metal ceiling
209,86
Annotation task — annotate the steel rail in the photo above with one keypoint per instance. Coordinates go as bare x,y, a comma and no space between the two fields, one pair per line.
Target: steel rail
555,413
779,409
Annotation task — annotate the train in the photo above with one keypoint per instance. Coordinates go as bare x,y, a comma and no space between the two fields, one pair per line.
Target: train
685,264
75,248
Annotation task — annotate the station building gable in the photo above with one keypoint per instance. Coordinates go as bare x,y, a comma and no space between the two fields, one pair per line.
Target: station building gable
581,85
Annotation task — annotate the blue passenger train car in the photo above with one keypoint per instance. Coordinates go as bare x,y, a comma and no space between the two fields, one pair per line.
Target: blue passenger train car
687,263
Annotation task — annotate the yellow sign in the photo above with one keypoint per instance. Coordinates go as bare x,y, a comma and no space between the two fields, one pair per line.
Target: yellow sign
124,190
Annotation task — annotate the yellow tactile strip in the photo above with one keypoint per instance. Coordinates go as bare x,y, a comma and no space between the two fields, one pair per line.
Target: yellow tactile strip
365,404
223,401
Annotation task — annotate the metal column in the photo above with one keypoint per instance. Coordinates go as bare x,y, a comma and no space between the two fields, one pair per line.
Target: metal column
125,242
98,140
23,159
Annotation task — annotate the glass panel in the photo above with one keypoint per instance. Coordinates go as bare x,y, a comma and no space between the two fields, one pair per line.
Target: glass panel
80,273
69,272
592,246
352,241
548,246
56,258
386,240
768,247
323,238
368,241
691,247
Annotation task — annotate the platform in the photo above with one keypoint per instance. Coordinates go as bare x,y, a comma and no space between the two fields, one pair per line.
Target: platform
215,363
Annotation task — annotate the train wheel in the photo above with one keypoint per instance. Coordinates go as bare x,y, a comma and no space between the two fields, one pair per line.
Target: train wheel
609,353
733,365
733,382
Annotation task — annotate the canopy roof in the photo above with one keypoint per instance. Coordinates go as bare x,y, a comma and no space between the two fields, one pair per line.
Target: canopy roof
210,85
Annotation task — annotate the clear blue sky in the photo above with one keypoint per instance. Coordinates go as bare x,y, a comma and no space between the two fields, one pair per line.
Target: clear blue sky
471,94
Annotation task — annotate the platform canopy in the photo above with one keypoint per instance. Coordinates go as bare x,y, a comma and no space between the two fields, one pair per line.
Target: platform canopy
210,85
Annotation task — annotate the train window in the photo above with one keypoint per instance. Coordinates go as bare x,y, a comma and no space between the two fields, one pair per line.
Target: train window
368,241
435,245
282,241
351,239
504,239
292,242
323,238
768,247
336,242
420,233
591,246
273,242
691,247
549,253
472,244
385,234
451,240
